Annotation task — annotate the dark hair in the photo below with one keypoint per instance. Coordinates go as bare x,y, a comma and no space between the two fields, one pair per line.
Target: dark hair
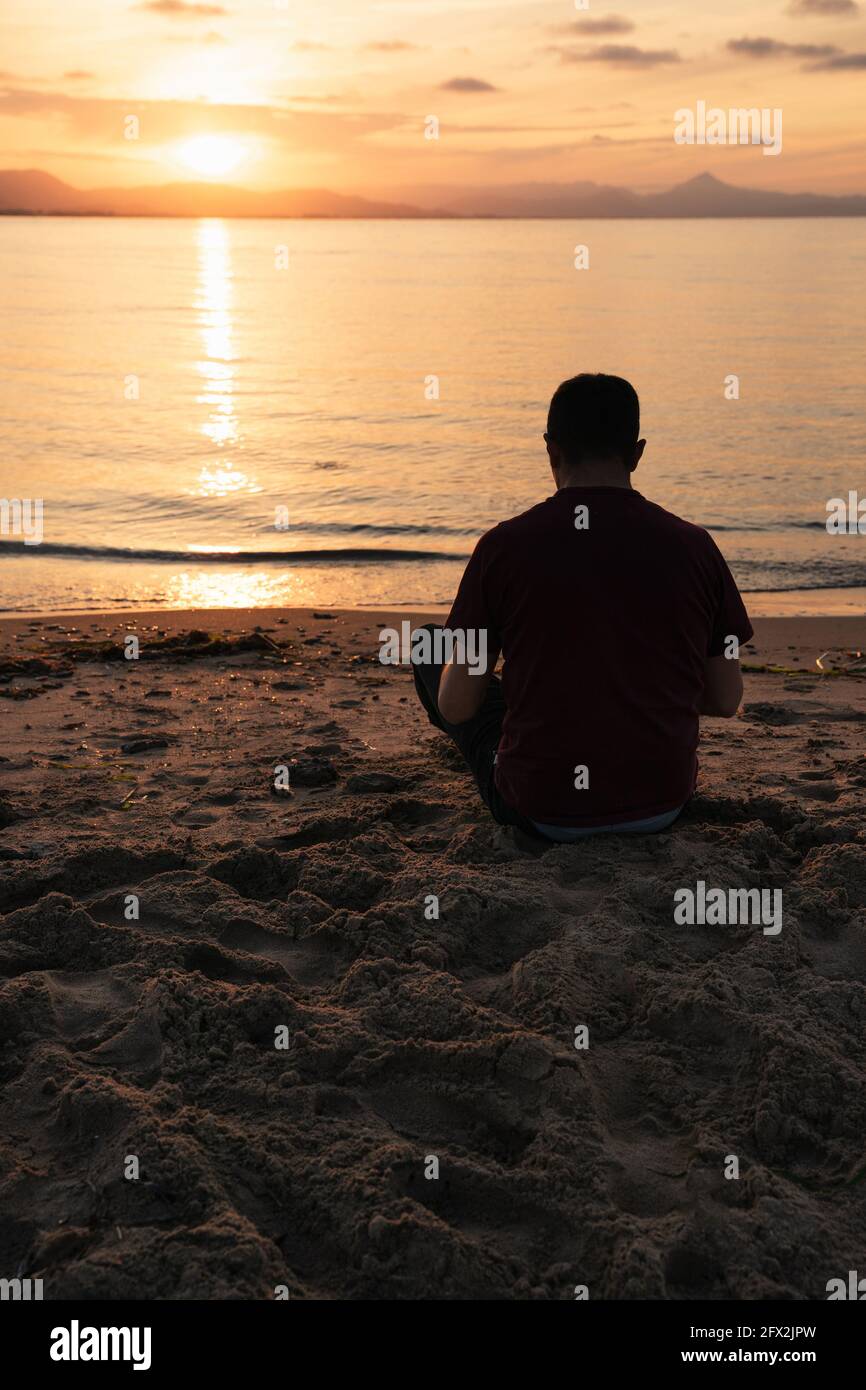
594,416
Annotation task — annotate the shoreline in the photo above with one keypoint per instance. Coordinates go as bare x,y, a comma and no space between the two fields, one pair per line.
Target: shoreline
763,605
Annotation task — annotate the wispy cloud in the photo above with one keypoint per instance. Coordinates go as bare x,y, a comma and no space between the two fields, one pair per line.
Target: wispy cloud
775,48
100,120
823,7
826,57
851,62
529,155
620,55
182,9
613,24
390,46
467,84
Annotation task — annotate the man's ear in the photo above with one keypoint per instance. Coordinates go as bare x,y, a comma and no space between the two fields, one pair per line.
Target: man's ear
554,454
638,454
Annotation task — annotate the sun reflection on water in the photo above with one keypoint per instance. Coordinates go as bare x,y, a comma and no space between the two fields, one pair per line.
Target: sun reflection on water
220,481
237,588
217,367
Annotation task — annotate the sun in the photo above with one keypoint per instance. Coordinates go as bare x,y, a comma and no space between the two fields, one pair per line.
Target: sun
212,156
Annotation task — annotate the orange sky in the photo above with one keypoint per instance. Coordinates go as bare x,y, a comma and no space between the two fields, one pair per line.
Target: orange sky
335,93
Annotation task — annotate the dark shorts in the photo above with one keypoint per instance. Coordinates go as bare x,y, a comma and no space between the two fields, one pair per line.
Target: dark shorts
477,739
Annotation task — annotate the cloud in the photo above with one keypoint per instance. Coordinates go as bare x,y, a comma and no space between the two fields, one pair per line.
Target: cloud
466,84
101,120
621,55
773,48
79,75
614,24
310,46
503,155
182,9
456,128
852,62
828,57
390,46
823,7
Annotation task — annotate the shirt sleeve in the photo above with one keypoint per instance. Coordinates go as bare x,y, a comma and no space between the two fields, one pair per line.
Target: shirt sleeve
731,618
473,608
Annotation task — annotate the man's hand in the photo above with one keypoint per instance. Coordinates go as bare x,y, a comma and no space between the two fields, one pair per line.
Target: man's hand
723,687
462,689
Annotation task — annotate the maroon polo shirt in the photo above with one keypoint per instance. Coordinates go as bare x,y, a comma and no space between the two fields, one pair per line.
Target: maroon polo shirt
604,633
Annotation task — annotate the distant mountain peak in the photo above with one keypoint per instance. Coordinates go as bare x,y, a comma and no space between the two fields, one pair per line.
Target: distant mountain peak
705,180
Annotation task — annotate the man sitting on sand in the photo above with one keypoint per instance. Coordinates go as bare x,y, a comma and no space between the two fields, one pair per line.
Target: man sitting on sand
619,625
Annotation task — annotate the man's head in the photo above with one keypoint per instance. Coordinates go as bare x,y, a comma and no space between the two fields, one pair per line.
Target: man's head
592,431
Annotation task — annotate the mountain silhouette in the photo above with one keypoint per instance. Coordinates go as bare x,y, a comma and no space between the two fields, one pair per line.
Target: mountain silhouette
32,191
26,191
702,196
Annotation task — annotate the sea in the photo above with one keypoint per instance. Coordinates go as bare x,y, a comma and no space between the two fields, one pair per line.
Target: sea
259,413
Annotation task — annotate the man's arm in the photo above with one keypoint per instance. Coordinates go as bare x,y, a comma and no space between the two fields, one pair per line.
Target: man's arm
723,686
462,688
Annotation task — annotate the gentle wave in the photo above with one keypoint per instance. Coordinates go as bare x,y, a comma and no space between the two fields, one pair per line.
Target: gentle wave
753,576
180,512
768,526
169,510
798,587
369,554
357,528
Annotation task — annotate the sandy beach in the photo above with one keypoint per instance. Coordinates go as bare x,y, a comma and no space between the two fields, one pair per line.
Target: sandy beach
167,921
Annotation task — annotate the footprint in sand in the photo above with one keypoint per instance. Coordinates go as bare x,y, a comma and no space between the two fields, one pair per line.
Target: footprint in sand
196,818
87,1007
228,797
307,964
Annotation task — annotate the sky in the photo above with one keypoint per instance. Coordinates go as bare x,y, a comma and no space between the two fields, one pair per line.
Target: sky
338,94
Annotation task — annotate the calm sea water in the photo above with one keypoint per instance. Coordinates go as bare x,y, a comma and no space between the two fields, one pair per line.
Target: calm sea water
208,427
